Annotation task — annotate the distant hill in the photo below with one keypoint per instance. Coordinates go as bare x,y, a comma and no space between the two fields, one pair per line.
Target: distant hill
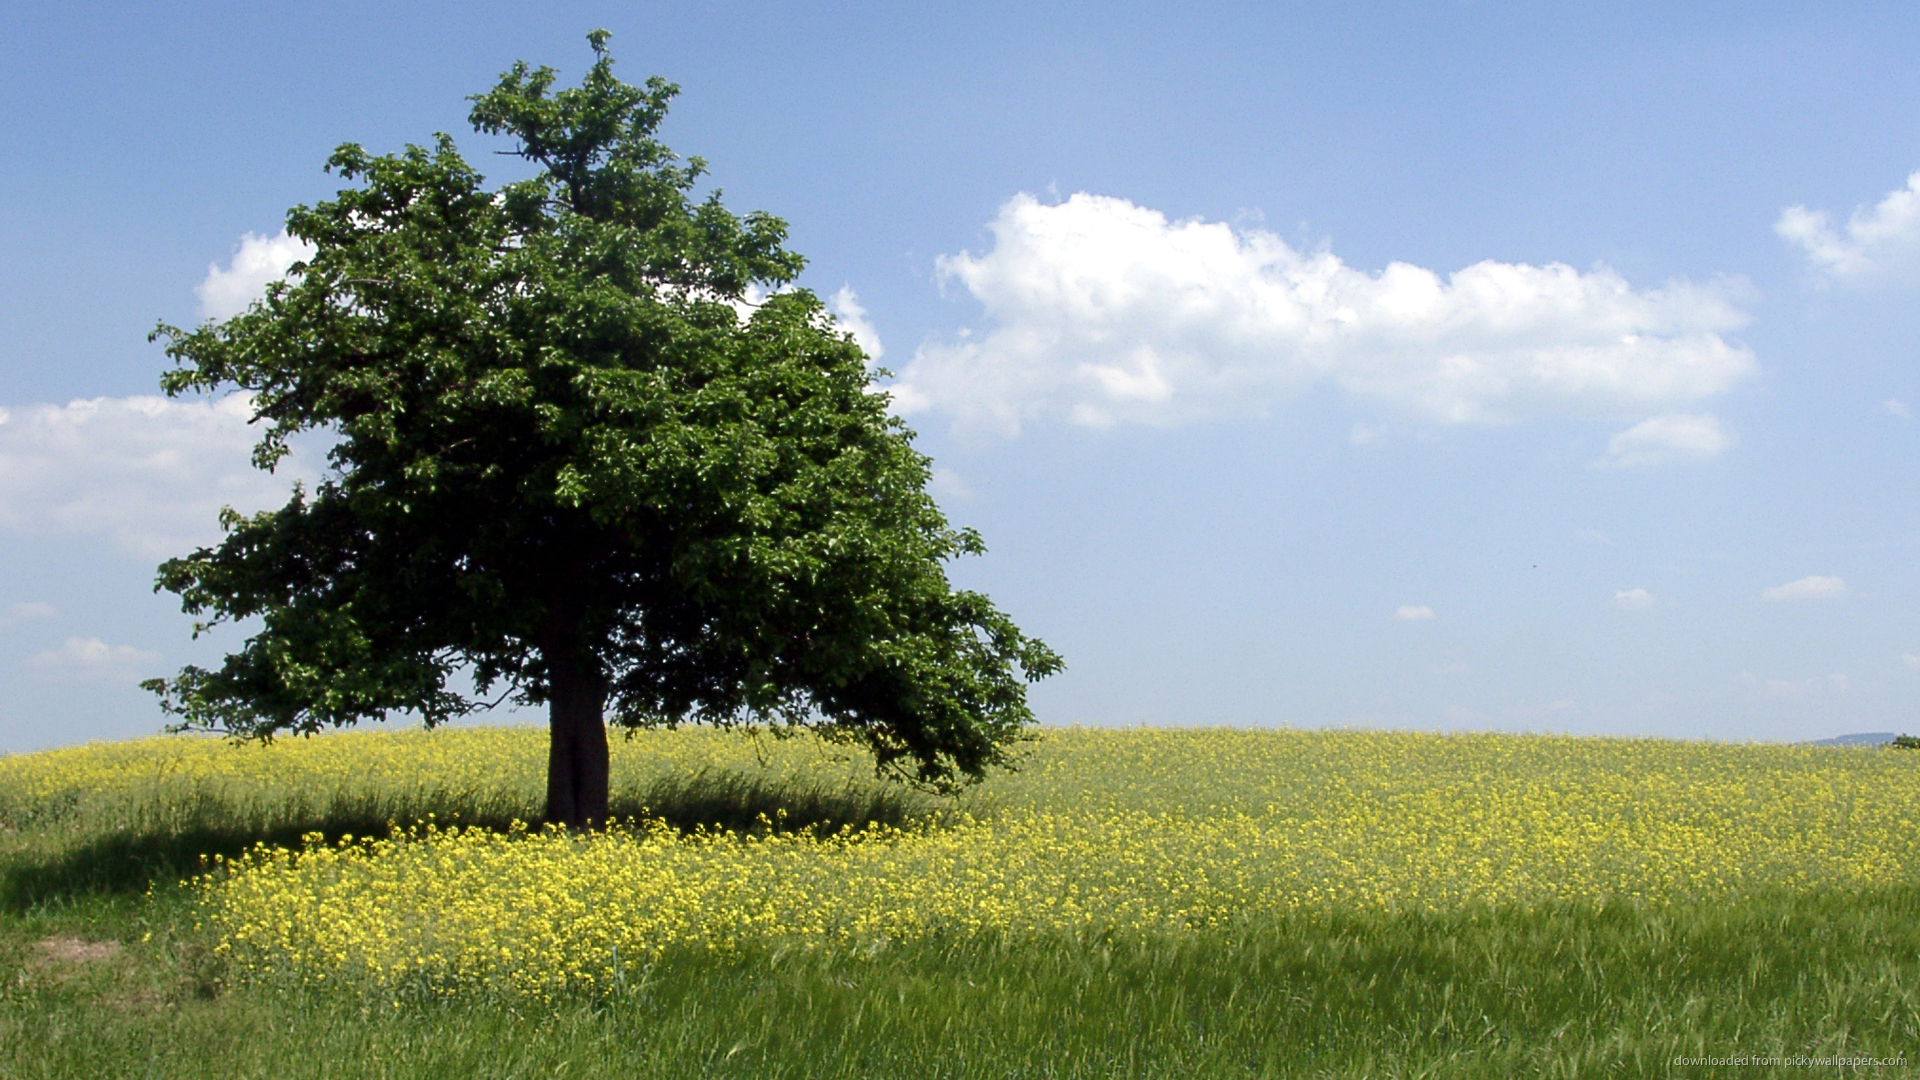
1863,738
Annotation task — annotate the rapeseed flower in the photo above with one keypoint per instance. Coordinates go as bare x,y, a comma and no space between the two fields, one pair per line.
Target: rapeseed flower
1110,832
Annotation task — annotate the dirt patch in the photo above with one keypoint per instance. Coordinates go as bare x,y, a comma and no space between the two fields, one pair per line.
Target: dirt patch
73,950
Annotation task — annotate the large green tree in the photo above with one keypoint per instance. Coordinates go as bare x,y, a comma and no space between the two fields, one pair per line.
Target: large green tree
568,466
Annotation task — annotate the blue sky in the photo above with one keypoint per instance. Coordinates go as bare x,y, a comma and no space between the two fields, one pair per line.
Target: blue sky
1442,366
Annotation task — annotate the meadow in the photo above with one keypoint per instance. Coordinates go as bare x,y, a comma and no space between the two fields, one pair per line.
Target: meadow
1129,903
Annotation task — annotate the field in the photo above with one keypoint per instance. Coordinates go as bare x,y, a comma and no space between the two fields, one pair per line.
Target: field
1130,903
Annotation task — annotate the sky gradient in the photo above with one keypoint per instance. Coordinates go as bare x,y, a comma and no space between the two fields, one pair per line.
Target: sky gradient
1439,366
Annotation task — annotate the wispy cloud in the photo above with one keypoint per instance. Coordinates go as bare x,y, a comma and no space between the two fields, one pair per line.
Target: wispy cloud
30,611
1413,613
1671,437
149,473
1796,689
1811,587
1633,599
93,660
1105,312
948,485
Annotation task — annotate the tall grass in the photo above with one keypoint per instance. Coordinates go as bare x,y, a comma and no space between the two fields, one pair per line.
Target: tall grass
1563,991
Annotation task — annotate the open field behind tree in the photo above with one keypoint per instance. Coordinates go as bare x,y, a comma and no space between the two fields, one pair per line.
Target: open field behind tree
1141,902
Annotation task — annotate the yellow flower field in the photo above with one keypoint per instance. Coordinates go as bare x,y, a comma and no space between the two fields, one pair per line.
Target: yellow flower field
503,764
1102,832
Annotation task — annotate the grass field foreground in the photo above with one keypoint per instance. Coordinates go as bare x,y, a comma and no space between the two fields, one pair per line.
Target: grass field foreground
1130,903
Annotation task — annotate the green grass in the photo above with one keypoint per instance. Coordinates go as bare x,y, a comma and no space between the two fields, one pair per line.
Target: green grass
1565,990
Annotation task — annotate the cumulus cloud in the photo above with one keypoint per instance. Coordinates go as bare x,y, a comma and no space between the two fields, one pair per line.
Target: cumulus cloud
1878,242
852,318
1105,312
1811,587
1413,613
1633,599
93,660
1668,437
148,473
257,262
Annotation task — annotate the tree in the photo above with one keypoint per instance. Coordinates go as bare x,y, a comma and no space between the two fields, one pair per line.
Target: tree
570,467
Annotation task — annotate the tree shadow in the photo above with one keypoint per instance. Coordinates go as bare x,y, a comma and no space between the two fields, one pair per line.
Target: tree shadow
723,801
68,860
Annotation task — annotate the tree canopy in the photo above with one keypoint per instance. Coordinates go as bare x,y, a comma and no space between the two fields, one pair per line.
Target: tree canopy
593,451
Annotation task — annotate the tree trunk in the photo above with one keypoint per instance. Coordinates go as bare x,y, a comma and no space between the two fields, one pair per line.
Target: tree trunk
577,766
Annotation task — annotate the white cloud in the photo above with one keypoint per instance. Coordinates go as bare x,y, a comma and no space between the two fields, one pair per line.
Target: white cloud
1811,587
149,473
1668,437
30,611
1105,312
1896,407
852,318
93,660
745,306
257,261
1879,242
1412,613
1633,599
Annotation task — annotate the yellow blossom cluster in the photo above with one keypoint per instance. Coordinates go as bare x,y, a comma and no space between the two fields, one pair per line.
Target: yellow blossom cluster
1101,832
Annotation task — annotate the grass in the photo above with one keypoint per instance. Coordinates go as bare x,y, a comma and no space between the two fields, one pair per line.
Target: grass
1569,988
